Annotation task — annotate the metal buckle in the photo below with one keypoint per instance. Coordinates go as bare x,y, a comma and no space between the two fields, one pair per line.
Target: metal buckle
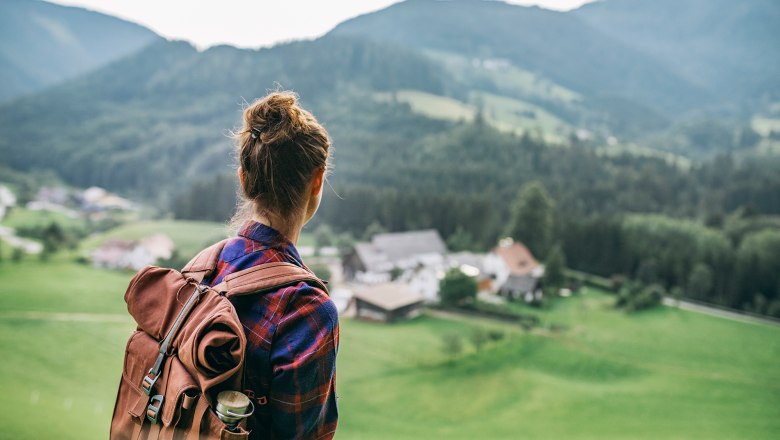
152,410
149,381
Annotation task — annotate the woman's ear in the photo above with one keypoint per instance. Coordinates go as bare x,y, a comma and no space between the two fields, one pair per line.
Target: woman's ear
240,177
317,180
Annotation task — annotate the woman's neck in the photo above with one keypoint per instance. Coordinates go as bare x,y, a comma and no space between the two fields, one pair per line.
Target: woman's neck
289,227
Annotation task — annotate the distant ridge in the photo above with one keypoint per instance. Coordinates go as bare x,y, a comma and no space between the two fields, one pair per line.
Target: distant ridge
43,44
556,45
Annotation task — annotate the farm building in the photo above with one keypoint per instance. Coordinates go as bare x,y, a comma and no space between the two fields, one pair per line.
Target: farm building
515,271
373,262
387,302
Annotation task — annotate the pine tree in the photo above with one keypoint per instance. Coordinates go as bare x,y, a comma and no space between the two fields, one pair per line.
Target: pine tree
532,218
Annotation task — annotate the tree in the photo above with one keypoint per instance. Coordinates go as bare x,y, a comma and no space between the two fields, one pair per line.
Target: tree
700,282
479,337
373,229
532,219
456,287
460,240
344,242
452,345
54,238
321,270
758,260
554,268
323,236
396,273
634,297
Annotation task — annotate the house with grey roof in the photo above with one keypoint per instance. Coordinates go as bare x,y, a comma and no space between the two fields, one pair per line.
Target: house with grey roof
374,261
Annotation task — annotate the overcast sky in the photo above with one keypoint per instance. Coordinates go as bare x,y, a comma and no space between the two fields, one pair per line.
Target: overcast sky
251,23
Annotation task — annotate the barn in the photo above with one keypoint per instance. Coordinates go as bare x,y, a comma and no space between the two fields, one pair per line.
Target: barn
387,302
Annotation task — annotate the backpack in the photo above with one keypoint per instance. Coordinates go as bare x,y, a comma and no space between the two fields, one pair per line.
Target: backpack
188,346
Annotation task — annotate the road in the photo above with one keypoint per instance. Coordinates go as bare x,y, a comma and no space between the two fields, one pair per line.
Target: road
721,313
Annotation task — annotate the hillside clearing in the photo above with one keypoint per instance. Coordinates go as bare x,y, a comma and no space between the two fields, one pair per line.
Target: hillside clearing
659,374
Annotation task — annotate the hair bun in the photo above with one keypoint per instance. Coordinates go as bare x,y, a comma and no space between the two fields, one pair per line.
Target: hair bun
276,117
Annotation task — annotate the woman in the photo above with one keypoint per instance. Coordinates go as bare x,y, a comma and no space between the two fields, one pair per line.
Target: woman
292,334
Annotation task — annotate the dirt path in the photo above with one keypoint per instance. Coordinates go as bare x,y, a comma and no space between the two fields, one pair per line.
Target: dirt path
721,313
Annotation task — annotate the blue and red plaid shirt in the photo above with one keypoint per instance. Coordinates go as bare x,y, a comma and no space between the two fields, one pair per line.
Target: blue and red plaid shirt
299,327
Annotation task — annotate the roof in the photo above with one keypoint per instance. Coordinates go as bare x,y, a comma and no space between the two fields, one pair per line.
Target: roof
399,245
386,250
372,258
517,283
389,296
517,257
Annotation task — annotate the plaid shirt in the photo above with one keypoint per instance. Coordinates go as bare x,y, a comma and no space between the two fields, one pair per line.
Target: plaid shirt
292,336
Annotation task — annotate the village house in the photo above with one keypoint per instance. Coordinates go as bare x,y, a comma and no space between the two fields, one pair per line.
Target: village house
133,254
515,271
376,261
7,200
96,199
387,302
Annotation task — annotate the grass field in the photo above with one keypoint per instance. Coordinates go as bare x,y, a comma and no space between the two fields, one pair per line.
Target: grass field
660,374
506,114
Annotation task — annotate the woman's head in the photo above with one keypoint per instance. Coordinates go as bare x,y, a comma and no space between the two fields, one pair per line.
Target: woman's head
283,157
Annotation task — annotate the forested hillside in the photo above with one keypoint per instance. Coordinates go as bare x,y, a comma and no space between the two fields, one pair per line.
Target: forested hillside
556,45
43,44
733,56
169,107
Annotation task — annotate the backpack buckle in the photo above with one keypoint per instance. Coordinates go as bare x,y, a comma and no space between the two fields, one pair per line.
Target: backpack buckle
149,381
153,410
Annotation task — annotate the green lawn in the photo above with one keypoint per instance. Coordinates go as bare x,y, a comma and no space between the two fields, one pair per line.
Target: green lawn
28,218
659,374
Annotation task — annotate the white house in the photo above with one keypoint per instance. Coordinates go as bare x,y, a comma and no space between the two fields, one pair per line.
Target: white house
134,255
514,271
374,262
7,200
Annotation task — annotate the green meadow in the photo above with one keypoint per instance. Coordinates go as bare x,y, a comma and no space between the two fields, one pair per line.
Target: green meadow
587,372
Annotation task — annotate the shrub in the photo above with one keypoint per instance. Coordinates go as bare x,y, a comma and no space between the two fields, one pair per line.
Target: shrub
634,297
452,344
322,271
456,287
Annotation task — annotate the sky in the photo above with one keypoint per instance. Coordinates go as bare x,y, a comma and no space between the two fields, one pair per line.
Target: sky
250,23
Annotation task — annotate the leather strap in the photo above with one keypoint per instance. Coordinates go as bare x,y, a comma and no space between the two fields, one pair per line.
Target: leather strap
200,410
154,431
203,264
265,277
137,428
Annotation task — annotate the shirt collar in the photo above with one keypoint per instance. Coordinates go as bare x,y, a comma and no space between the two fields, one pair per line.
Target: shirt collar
269,237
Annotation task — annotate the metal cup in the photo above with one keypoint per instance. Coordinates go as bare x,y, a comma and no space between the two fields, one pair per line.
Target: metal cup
232,407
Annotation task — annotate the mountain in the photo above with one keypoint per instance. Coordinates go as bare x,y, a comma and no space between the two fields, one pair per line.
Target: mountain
42,43
559,46
159,118
730,49
449,123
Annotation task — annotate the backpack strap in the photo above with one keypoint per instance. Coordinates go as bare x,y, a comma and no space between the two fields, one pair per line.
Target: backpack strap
203,264
260,278
267,277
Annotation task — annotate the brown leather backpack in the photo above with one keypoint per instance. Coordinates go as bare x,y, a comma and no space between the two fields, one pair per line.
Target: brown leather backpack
189,346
